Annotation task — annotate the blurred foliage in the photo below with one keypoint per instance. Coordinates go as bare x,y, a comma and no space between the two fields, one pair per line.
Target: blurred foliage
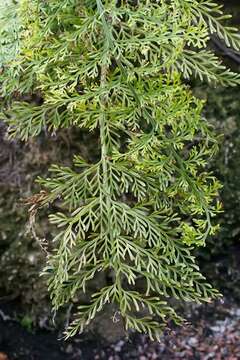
223,110
221,258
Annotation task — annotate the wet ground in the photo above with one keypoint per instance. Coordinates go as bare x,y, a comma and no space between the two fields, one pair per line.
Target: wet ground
213,333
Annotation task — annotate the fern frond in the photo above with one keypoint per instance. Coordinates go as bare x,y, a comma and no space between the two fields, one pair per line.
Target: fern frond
139,209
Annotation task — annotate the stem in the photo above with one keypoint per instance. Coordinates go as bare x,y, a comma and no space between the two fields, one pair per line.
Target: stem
103,104
102,121
104,193
104,144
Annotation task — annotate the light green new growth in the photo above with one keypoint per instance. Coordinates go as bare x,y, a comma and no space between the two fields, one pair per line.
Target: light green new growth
118,68
9,29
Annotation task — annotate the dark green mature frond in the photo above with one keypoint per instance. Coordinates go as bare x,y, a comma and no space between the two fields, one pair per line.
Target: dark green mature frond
138,211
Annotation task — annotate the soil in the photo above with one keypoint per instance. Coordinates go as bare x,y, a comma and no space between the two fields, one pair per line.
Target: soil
16,342
213,333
